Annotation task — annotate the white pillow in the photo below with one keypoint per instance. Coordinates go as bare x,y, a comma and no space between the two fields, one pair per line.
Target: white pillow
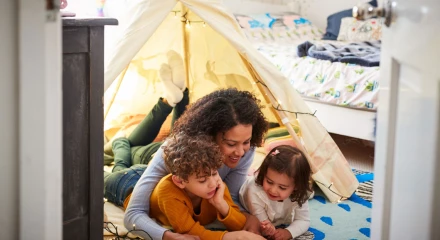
356,30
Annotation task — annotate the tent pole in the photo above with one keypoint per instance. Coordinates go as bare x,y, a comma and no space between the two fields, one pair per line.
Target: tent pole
107,109
185,45
285,120
267,94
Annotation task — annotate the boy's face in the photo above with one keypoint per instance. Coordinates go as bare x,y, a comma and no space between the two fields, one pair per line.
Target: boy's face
204,187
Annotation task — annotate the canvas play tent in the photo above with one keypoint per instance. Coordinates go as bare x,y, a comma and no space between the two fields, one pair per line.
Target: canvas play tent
216,55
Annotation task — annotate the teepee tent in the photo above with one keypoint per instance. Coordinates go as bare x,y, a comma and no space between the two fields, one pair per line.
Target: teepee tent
216,55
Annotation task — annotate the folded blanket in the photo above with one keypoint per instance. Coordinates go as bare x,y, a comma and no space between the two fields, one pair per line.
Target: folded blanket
362,53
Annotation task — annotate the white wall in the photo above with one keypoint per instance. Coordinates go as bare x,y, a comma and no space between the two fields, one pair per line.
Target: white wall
9,118
317,11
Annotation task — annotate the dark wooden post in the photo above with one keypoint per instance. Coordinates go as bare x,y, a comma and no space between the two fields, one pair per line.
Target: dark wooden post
83,120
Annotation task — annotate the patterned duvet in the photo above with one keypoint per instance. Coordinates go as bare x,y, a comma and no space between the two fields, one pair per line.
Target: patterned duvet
335,83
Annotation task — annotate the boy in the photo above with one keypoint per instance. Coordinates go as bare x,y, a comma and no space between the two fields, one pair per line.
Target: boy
194,195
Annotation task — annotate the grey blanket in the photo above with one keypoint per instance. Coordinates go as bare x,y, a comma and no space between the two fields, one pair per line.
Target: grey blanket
363,53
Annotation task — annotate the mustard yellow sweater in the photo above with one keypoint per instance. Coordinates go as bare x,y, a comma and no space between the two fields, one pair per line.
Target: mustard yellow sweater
171,206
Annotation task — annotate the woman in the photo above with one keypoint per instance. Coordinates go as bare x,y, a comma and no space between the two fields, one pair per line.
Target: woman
234,119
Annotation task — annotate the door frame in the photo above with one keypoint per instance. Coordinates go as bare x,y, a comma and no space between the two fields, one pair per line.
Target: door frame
40,120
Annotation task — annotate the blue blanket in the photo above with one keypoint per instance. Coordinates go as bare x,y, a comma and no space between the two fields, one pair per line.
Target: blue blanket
362,53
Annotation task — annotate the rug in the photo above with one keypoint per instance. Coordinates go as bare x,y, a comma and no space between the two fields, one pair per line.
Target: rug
349,219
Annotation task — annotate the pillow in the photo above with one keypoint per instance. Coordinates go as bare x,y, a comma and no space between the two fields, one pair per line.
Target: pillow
255,21
357,30
334,22
278,136
271,20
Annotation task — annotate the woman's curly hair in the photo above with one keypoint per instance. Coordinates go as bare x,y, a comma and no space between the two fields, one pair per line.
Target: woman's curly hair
222,110
185,155
292,162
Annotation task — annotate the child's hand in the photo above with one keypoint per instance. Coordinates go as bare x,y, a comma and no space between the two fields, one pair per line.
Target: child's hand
218,200
267,229
218,197
281,234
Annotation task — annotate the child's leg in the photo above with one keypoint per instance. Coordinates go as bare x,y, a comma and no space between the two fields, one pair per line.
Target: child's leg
119,184
122,150
148,129
180,107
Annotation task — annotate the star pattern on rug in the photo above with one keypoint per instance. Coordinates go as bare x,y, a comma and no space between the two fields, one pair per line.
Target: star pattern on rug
350,219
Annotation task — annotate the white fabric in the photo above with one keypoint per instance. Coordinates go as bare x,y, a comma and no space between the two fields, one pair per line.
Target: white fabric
217,55
255,200
115,215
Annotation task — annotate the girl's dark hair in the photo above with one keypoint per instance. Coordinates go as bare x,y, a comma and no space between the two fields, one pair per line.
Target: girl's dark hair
186,155
292,162
222,110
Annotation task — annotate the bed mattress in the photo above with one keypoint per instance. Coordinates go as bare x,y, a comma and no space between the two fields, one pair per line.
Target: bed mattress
336,83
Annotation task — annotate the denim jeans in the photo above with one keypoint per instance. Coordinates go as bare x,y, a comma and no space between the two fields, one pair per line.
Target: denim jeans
118,185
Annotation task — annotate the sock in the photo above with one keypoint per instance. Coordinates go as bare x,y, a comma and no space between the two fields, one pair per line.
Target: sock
173,95
178,72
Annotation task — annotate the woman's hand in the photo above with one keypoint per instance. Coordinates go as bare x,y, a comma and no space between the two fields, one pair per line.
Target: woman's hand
267,229
168,235
218,200
242,235
281,234
252,224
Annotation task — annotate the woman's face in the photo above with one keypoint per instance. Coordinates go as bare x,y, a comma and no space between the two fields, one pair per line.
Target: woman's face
234,143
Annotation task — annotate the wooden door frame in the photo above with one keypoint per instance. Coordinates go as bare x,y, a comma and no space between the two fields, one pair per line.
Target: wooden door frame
40,121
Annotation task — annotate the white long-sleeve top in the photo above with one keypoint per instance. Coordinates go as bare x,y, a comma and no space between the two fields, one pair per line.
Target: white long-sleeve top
255,200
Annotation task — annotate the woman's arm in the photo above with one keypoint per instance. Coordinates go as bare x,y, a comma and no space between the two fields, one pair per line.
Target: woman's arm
301,220
139,206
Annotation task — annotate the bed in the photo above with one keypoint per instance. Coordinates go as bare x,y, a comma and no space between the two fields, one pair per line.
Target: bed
344,96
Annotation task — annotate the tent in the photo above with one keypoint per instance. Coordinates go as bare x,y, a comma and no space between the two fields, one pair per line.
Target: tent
216,55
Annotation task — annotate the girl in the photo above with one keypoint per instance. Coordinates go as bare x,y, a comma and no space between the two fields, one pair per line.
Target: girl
278,195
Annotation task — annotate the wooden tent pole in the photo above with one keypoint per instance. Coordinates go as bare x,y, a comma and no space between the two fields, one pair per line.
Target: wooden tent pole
264,94
183,19
285,120
280,115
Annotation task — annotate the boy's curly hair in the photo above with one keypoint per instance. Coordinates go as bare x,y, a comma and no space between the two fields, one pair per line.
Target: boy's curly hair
186,155
292,162
222,110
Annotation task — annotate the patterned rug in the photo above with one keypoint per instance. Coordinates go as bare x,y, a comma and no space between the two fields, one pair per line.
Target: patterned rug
349,219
